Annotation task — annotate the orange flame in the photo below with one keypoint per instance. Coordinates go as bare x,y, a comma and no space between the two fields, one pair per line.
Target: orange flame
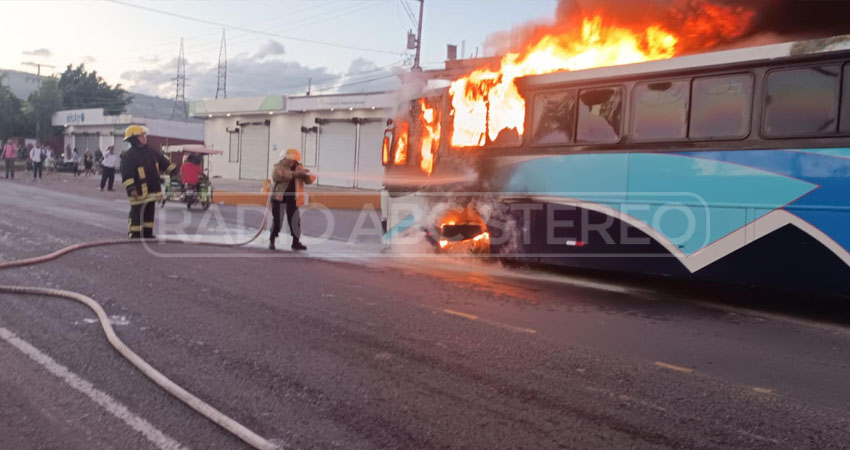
385,151
487,102
401,144
430,136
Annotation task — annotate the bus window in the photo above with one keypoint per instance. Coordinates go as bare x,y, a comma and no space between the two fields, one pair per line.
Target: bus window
600,112
845,101
801,102
721,107
661,110
554,118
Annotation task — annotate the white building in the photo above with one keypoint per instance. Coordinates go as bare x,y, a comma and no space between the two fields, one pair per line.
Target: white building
21,84
339,136
91,129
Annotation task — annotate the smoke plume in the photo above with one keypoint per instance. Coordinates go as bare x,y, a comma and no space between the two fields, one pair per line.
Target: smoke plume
788,19
700,24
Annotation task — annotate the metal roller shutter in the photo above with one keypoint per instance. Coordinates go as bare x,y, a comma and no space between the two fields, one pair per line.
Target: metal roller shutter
254,154
233,147
337,150
370,171
120,145
311,149
82,142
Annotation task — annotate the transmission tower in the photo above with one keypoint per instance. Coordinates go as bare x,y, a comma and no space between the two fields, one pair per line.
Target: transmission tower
221,84
180,94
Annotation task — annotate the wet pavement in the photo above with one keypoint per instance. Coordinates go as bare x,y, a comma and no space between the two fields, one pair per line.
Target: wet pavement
349,346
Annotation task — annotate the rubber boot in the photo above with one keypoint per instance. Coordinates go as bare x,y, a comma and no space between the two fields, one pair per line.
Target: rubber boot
298,246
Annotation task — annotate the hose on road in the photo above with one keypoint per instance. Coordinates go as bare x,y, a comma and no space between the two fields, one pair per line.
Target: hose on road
214,415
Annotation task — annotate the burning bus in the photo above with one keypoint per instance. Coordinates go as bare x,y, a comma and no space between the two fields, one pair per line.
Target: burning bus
605,149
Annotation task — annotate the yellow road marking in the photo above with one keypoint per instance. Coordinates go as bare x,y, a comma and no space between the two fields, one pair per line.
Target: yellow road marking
762,390
460,314
674,367
510,327
489,322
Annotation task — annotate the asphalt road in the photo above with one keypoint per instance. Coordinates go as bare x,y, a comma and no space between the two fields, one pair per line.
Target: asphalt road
328,350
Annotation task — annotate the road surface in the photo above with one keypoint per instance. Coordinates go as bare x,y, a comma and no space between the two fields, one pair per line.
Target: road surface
327,350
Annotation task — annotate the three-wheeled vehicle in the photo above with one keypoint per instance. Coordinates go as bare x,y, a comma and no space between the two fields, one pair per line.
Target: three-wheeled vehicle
176,189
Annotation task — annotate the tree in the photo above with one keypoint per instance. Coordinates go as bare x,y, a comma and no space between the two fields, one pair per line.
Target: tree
41,105
12,120
81,89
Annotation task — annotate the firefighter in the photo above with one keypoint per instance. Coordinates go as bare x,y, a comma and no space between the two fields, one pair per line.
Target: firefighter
289,178
140,169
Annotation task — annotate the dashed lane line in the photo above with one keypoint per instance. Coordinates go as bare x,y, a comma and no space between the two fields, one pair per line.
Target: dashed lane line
460,314
489,322
674,367
158,438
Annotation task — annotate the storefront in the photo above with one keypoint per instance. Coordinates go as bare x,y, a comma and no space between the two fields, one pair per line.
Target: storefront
339,136
89,130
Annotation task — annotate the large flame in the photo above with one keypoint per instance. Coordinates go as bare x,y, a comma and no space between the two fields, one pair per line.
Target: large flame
430,123
401,144
487,102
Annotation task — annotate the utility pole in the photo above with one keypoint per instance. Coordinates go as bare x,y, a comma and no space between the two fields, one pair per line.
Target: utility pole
416,66
38,70
221,83
180,94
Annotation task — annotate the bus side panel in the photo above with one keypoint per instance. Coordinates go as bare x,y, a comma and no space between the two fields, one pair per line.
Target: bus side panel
706,210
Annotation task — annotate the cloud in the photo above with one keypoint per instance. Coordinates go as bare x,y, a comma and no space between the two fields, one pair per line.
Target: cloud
89,59
250,76
46,53
246,77
270,48
365,76
149,59
153,81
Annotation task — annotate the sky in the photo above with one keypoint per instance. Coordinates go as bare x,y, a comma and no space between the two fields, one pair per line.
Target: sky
273,47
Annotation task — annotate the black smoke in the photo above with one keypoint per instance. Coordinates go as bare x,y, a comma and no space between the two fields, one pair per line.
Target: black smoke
800,18
796,19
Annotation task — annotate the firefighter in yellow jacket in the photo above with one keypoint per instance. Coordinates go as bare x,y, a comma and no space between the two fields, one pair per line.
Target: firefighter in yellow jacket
140,169
289,178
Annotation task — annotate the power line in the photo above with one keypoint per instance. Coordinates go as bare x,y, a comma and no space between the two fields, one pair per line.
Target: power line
330,81
219,24
409,12
289,15
309,20
369,80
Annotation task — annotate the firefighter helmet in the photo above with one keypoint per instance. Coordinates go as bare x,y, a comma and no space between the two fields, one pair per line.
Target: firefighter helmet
135,130
292,154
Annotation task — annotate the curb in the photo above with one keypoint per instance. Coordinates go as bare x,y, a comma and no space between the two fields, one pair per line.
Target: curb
330,200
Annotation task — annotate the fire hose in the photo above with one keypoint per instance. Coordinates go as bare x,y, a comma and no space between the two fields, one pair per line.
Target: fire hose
214,415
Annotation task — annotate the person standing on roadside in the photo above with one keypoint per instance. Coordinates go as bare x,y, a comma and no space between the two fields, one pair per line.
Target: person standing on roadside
98,162
88,163
76,159
10,153
109,162
50,162
289,178
37,158
140,168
